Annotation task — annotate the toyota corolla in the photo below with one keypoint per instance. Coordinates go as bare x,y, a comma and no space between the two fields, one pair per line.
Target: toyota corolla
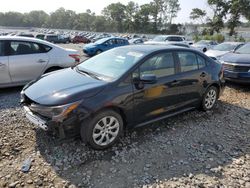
122,88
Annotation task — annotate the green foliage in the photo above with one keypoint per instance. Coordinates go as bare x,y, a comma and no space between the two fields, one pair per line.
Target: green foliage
198,14
240,39
197,38
224,10
153,17
217,37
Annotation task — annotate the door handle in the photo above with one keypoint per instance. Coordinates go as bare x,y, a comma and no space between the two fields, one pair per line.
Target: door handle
203,74
41,61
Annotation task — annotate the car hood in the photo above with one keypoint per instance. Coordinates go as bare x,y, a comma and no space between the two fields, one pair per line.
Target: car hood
63,87
237,58
215,53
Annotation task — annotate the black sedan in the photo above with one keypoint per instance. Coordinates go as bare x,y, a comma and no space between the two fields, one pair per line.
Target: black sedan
122,88
237,65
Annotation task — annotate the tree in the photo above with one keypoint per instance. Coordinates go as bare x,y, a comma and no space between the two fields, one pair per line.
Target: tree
115,12
238,8
142,22
100,24
130,12
220,9
198,14
174,8
36,18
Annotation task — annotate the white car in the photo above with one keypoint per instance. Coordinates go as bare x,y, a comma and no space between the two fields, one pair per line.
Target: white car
162,39
24,59
221,49
204,45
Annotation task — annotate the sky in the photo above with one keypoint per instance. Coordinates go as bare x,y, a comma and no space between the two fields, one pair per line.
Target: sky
94,5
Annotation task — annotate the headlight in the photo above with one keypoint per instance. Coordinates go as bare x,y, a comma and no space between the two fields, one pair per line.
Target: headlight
57,113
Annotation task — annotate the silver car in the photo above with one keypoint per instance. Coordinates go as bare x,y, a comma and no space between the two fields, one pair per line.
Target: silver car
221,49
23,59
204,45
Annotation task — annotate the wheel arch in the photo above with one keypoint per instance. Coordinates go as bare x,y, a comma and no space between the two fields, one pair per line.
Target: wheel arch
52,68
117,110
217,85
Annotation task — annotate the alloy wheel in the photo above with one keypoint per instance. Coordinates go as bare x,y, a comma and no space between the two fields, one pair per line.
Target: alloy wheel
106,130
210,98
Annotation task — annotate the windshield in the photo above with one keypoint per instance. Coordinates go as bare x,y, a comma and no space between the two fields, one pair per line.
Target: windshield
245,49
159,38
225,47
113,63
202,42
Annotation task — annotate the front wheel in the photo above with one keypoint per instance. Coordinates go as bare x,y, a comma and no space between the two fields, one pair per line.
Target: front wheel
103,130
209,98
98,52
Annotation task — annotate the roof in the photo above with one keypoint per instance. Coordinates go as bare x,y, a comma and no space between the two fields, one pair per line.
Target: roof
28,39
152,48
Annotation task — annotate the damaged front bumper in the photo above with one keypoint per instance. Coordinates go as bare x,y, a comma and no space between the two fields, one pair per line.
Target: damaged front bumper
67,128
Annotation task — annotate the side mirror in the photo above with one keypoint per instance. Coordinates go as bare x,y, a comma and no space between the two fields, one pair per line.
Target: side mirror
148,78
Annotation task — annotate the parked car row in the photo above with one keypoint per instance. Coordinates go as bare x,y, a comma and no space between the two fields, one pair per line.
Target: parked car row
126,86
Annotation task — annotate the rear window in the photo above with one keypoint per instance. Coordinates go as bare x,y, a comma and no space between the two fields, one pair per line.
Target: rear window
45,47
187,61
52,37
175,39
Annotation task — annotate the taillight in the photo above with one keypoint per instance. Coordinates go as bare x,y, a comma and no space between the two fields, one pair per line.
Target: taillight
76,57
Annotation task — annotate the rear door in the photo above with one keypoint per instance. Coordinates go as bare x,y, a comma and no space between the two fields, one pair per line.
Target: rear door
4,65
27,60
111,43
191,76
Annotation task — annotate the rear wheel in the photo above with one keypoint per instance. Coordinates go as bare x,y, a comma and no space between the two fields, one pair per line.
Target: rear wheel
103,130
209,98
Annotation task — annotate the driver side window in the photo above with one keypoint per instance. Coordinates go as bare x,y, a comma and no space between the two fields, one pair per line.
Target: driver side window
160,65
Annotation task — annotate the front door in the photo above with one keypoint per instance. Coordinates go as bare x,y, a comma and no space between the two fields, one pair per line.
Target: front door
27,61
4,65
160,98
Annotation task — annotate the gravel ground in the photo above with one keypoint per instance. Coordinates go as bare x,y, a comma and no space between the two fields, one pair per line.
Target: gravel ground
195,149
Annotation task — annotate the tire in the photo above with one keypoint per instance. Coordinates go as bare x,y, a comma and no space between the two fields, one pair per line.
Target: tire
204,50
98,52
96,131
209,98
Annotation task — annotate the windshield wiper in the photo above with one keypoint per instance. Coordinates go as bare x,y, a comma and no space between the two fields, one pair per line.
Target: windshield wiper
88,73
